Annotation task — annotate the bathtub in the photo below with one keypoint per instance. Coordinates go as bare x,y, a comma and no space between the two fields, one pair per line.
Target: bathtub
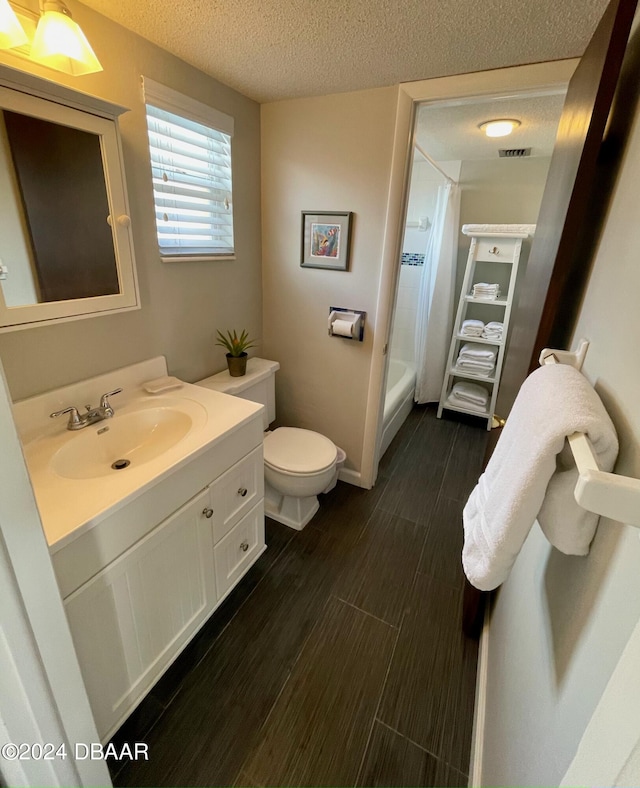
398,401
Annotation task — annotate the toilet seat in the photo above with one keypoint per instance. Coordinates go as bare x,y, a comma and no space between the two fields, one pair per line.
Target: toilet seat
297,451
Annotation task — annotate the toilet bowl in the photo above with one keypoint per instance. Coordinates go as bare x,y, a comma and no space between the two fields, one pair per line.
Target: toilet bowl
299,464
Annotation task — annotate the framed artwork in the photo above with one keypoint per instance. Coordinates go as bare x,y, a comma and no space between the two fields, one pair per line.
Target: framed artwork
326,239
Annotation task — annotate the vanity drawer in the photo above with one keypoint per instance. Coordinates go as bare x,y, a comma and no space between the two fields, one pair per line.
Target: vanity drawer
234,554
237,491
496,250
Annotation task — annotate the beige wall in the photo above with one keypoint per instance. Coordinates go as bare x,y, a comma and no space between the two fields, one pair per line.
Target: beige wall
499,191
561,623
323,154
182,303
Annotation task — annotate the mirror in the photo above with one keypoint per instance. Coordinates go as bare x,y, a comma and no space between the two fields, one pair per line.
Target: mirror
65,246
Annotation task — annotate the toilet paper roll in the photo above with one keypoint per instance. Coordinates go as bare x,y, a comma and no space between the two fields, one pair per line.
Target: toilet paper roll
343,328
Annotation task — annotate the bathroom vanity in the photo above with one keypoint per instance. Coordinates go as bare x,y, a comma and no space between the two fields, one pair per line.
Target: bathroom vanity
145,554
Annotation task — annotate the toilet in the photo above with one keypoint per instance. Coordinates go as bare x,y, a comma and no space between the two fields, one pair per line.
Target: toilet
298,464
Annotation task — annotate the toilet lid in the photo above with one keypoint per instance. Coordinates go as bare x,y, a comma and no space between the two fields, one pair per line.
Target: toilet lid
298,451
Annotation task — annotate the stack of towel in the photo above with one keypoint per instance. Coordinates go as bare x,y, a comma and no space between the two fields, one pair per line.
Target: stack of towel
485,290
493,330
472,328
469,396
476,359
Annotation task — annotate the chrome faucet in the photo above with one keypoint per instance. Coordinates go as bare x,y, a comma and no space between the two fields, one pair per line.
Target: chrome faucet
79,420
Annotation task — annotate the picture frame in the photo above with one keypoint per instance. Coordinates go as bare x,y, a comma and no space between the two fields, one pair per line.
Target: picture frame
326,239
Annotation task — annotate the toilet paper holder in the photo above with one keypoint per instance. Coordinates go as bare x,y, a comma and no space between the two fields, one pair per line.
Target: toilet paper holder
350,325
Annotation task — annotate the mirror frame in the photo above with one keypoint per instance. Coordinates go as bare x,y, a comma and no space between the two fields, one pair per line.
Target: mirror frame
31,95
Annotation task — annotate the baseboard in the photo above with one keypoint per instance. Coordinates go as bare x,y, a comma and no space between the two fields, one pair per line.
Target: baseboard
350,477
479,716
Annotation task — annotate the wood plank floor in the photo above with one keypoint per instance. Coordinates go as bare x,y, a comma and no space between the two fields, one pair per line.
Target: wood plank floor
339,659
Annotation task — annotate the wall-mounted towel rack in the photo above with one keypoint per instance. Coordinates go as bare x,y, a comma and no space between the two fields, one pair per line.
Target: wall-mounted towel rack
607,494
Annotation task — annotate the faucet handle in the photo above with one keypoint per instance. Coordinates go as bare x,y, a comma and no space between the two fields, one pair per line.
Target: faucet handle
74,417
104,399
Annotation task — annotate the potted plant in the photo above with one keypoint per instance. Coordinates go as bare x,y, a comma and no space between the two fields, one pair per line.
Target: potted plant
236,347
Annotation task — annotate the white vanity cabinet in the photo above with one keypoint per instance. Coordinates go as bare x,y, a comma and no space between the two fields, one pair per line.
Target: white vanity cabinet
132,618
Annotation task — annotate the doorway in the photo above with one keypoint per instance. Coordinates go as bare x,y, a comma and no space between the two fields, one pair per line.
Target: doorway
458,176
480,89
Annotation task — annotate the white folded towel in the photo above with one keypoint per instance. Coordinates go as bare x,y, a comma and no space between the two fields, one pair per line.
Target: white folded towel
472,328
477,352
458,402
470,392
477,370
485,290
523,482
494,325
484,229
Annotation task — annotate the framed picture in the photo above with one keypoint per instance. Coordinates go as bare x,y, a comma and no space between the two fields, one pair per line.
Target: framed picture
326,238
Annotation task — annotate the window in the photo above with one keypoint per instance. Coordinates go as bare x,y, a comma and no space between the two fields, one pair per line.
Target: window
190,148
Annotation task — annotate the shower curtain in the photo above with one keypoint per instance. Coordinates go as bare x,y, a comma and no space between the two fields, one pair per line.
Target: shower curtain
435,296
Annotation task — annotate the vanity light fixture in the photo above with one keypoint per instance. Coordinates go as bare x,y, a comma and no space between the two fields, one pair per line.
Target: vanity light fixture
500,127
60,43
11,31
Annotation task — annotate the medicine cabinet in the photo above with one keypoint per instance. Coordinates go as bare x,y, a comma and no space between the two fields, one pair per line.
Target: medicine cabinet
65,239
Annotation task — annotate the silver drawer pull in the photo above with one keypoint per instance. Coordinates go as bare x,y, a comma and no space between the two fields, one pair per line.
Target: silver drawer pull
242,491
495,250
208,513
244,546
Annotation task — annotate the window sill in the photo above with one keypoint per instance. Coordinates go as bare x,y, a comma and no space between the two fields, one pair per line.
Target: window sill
197,258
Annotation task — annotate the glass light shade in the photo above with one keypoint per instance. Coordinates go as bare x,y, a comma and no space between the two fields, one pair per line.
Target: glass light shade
499,128
60,44
11,32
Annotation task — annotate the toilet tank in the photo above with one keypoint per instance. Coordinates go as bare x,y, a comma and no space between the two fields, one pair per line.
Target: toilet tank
258,385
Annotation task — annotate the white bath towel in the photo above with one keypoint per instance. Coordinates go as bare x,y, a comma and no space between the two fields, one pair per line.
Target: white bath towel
477,371
458,402
472,328
526,479
470,392
477,352
485,290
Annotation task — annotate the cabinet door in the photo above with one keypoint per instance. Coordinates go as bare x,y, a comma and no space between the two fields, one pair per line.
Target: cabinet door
236,492
131,619
239,549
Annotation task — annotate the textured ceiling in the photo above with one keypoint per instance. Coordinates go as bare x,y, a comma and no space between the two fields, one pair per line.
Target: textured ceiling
451,133
278,49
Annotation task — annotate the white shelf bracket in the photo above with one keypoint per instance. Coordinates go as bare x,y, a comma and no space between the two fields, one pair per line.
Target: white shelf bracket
607,494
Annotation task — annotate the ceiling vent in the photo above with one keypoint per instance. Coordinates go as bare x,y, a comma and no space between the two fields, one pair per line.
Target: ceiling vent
514,153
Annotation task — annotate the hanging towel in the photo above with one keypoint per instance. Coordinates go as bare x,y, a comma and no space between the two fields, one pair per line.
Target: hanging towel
526,479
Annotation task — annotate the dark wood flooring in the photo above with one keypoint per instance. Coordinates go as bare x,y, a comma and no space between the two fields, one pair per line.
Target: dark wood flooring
339,659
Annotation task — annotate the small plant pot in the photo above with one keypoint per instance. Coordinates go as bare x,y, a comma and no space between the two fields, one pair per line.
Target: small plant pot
237,365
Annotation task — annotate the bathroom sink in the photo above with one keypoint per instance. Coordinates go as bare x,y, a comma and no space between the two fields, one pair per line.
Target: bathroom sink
126,441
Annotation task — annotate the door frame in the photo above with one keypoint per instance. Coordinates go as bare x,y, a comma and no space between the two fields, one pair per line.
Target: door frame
44,699
518,80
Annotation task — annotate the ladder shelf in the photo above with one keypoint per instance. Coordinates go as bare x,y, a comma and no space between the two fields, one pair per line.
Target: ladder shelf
486,248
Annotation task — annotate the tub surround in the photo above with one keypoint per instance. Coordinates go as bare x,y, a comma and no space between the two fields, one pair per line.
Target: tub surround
398,401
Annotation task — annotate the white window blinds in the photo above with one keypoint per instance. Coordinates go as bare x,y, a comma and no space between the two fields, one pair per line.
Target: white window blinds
190,148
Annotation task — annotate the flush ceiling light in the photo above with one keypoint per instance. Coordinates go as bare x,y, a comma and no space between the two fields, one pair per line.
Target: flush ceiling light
60,43
500,127
11,32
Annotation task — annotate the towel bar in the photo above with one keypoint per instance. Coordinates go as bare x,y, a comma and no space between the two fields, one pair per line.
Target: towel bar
607,494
